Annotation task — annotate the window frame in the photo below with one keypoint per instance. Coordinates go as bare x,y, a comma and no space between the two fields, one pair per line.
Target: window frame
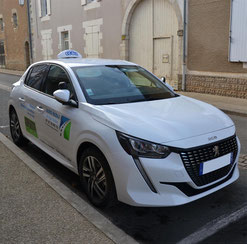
48,6
15,20
60,30
1,24
90,4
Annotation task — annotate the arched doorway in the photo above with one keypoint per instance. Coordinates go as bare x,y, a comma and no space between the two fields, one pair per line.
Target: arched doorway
152,28
27,54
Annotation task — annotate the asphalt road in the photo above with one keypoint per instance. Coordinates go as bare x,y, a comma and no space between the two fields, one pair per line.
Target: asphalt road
151,225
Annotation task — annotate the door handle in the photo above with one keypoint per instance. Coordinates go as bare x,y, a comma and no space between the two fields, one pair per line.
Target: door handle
21,99
40,109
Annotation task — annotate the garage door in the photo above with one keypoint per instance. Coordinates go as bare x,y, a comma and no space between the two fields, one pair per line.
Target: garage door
153,38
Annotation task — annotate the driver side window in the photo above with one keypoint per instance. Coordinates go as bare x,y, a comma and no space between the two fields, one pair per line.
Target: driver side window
54,77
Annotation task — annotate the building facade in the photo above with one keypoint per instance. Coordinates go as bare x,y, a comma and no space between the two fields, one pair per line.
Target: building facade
147,32
217,51
14,35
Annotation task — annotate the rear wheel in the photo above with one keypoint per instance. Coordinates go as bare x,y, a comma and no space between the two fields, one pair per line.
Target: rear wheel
15,129
96,178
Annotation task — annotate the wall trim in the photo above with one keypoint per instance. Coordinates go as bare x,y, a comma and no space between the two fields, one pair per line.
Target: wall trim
217,74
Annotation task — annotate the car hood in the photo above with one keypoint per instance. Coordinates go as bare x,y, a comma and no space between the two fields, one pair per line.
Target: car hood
164,120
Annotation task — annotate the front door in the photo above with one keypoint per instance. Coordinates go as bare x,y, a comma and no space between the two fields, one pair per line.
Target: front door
58,122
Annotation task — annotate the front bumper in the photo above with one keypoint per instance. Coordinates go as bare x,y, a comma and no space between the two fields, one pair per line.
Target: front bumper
171,182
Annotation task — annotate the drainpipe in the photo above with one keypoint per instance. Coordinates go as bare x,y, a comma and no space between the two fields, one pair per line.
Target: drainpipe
30,31
184,47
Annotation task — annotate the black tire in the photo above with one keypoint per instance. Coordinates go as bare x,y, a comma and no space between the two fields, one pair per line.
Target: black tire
96,178
15,129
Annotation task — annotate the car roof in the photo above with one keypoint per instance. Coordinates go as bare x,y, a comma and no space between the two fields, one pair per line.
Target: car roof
75,62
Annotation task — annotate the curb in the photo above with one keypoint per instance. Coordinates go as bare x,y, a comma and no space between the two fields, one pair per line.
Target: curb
91,214
233,112
12,72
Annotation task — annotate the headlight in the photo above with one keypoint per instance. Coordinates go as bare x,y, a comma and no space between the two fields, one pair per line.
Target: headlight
141,148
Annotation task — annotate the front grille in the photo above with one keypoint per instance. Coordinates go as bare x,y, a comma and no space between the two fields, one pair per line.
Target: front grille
192,158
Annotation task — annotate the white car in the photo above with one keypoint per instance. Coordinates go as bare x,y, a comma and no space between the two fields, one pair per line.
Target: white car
125,132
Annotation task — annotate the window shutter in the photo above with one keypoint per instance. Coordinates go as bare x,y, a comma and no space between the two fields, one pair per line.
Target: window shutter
238,34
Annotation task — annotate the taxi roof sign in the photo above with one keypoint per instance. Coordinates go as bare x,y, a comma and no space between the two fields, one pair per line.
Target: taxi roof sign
69,54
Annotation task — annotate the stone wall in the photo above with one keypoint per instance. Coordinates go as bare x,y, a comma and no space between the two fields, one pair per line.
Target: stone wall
224,86
15,36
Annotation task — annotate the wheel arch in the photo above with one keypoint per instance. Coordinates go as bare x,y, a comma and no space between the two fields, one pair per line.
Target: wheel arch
83,146
11,108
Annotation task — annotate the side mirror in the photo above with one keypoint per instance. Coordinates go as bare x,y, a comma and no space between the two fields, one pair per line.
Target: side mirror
163,79
62,95
63,85
170,87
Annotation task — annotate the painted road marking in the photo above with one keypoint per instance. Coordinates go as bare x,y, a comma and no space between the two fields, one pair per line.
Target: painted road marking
4,126
214,226
4,87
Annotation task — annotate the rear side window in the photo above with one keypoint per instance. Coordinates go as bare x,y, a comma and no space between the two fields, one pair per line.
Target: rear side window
36,76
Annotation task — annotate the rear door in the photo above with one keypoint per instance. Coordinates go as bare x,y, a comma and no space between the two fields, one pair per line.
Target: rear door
29,100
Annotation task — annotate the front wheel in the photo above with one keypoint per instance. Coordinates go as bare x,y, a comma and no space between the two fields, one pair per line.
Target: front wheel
15,129
96,178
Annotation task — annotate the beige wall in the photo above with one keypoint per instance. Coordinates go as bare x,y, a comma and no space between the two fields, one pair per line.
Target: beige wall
14,38
208,37
64,12
114,13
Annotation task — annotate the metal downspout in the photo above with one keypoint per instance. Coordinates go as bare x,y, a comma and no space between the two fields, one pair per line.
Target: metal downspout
184,47
30,31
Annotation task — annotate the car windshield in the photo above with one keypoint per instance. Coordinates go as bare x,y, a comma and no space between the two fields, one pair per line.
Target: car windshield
111,84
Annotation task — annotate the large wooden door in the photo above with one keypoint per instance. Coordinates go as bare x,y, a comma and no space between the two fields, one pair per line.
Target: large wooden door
153,38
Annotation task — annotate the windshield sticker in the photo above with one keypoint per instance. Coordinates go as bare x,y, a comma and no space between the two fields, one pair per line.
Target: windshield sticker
29,108
31,127
89,92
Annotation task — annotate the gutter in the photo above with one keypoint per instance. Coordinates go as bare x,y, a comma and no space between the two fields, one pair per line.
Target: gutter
30,31
184,47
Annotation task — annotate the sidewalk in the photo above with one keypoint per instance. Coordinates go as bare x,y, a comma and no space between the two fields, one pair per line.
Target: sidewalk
230,105
32,212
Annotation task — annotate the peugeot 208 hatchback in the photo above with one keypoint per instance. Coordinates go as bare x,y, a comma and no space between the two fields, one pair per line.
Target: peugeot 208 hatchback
124,131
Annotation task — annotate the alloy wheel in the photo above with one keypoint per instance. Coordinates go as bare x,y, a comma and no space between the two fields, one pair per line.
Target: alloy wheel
95,178
15,126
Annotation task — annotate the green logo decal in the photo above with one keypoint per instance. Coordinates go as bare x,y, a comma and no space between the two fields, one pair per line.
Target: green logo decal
65,125
31,127
66,132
